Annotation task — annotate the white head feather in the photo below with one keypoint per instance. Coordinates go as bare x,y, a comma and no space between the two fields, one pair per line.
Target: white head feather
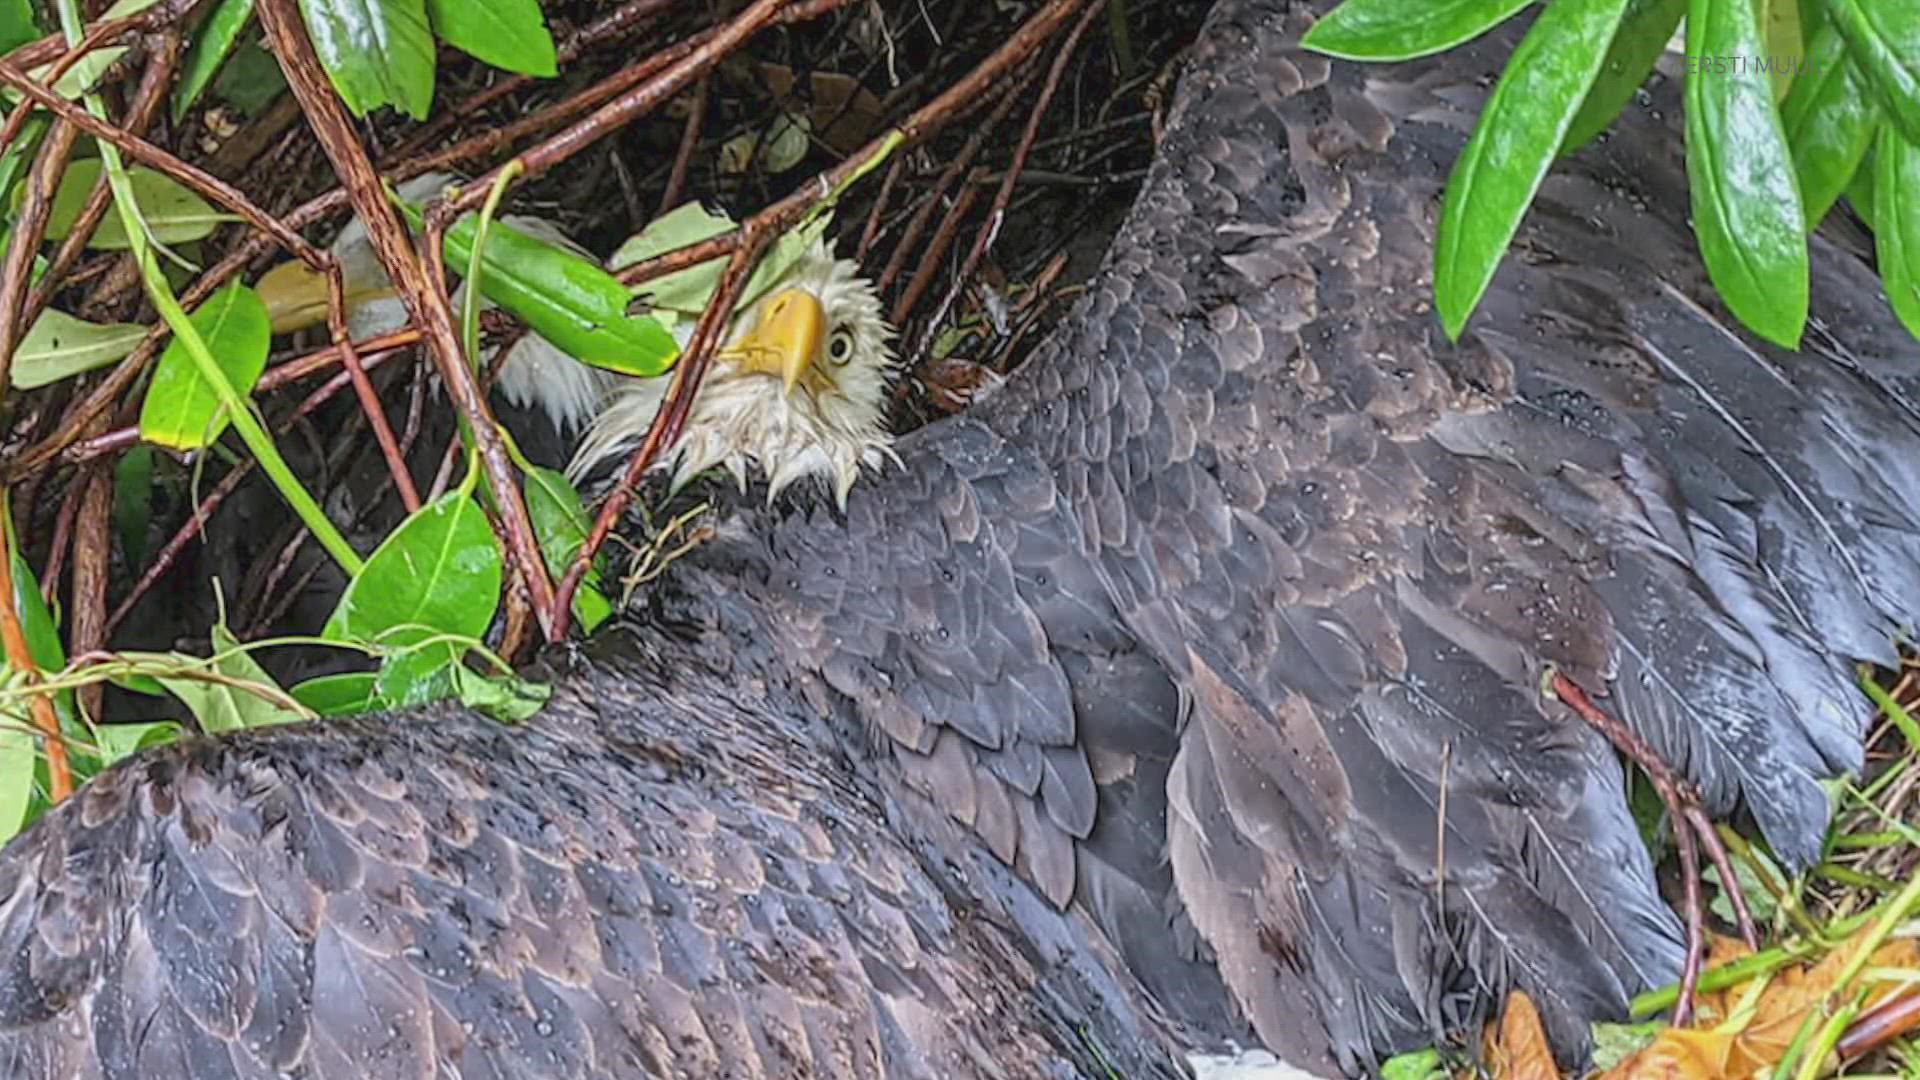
829,426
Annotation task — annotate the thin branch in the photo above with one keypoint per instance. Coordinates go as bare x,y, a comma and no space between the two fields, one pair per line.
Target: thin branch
421,287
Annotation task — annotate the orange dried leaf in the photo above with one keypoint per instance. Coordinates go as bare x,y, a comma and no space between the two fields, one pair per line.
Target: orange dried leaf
1516,1047
1679,1054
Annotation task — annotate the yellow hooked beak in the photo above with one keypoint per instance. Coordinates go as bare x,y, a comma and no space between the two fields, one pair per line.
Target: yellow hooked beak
786,339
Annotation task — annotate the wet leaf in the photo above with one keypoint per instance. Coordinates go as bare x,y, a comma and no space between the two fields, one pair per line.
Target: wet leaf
505,698
778,147
181,409
118,741
1829,118
133,502
560,525
59,346
250,80
1746,204
173,213
348,693
1516,1047
1614,1043
509,34
211,45
577,306
438,573
683,294
1512,146
1884,37
376,52
1644,32
17,25
1896,221
228,705
1404,29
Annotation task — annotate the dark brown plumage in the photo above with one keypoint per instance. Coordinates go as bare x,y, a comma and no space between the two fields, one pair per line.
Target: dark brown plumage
1180,625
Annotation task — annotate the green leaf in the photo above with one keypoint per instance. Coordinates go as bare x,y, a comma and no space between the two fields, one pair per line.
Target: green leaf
417,676
133,502
1884,36
1760,901
510,34
19,753
560,524
1643,35
1860,190
346,694
1829,119
17,24
1414,1065
566,299
173,213
683,294
181,409
377,52
1746,203
13,160
58,346
211,45
1615,1043
1896,216
80,77
438,573
506,698
118,741
1524,121
218,706
251,79
1404,29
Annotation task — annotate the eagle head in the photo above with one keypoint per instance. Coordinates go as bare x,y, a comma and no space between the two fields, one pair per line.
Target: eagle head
798,387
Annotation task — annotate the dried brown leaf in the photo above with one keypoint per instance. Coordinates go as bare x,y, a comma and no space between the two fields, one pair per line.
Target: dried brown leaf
1516,1047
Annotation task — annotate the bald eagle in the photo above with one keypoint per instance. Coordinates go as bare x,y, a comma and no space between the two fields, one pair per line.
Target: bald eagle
1186,691
798,386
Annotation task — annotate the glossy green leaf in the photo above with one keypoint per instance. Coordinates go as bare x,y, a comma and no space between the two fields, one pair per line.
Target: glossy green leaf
19,753
1884,36
1829,118
349,693
17,24
1513,144
506,698
1860,189
509,34
1896,215
682,295
1643,35
1404,29
1786,44
211,45
560,524
1424,1064
417,676
173,213
181,410
376,52
566,299
438,573
118,741
133,502
58,346
1746,203
228,705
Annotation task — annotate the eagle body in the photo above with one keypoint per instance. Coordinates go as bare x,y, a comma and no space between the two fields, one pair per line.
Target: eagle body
1202,660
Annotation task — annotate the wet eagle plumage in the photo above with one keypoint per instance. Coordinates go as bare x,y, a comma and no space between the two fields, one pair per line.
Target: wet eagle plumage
1128,693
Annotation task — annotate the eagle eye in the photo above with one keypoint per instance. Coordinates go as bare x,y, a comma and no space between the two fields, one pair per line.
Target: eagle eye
840,348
